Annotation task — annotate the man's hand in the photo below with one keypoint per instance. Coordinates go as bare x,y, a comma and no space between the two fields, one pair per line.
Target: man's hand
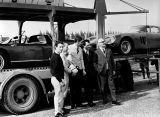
62,83
114,72
84,72
74,74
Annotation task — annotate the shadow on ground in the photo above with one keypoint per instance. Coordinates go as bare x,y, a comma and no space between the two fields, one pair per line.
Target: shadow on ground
141,89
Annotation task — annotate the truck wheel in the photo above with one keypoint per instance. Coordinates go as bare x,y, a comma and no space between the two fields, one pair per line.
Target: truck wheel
21,95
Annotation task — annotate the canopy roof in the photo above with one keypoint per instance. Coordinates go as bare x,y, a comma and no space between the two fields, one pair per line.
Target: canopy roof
33,12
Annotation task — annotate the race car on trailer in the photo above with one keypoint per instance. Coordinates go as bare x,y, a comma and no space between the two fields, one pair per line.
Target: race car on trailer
21,89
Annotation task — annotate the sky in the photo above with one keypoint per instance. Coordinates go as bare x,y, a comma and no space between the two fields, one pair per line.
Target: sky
119,23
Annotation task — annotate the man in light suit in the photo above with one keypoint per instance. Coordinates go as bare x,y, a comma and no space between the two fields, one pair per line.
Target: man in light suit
104,65
76,58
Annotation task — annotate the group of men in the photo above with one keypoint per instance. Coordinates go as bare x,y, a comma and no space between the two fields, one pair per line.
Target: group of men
90,65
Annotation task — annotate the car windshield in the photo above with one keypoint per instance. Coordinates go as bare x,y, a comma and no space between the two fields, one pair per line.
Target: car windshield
133,29
14,40
137,29
142,29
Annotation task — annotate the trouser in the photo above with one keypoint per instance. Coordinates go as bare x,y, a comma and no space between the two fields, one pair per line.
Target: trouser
75,88
65,88
88,80
107,82
111,86
157,68
58,97
147,71
66,82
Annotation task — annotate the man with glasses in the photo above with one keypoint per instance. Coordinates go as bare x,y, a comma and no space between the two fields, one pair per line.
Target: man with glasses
104,65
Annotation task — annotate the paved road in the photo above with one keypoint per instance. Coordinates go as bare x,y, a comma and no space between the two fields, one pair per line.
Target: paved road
143,102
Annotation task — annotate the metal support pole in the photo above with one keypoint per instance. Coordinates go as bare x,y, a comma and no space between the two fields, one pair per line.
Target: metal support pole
51,19
159,72
20,24
61,31
100,25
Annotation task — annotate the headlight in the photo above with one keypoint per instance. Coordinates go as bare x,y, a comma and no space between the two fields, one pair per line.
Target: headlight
110,39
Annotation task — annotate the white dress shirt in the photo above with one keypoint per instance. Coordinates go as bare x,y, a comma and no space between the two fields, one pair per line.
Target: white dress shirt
103,51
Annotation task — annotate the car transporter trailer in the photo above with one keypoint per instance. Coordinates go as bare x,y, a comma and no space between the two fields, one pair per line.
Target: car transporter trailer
22,89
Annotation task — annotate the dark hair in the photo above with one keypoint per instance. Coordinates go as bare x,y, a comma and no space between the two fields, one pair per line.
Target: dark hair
57,42
78,38
84,42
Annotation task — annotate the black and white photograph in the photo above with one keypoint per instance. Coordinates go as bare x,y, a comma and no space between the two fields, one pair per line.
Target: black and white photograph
79,58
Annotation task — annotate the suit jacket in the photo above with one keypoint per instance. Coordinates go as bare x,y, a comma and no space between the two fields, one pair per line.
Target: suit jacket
100,62
88,61
110,60
91,74
103,63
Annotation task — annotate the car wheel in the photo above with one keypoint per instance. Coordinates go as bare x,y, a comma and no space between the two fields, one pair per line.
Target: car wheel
21,95
2,61
125,46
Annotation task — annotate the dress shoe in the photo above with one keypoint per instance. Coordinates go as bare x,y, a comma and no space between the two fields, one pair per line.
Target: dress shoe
91,104
105,102
131,89
65,111
116,102
73,107
59,115
80,105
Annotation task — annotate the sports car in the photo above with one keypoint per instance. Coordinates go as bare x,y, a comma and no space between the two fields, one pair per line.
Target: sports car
36,50
139,39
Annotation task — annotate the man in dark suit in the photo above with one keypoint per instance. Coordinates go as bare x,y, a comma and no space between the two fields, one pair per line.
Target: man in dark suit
89,78
104,65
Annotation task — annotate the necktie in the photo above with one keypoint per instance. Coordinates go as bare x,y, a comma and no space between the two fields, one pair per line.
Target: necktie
87,52
104,51
77,50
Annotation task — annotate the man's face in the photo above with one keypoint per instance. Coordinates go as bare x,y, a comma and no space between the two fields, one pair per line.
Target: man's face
101,43
107,40
78,44
65,48
87,45
59,48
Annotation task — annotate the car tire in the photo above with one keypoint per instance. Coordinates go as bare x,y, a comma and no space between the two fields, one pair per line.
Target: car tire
21,95
125,47
3,61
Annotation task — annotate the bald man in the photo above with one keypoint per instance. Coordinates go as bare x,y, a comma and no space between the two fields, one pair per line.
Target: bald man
104,65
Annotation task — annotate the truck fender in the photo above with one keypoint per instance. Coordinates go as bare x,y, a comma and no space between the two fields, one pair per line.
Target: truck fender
12,74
